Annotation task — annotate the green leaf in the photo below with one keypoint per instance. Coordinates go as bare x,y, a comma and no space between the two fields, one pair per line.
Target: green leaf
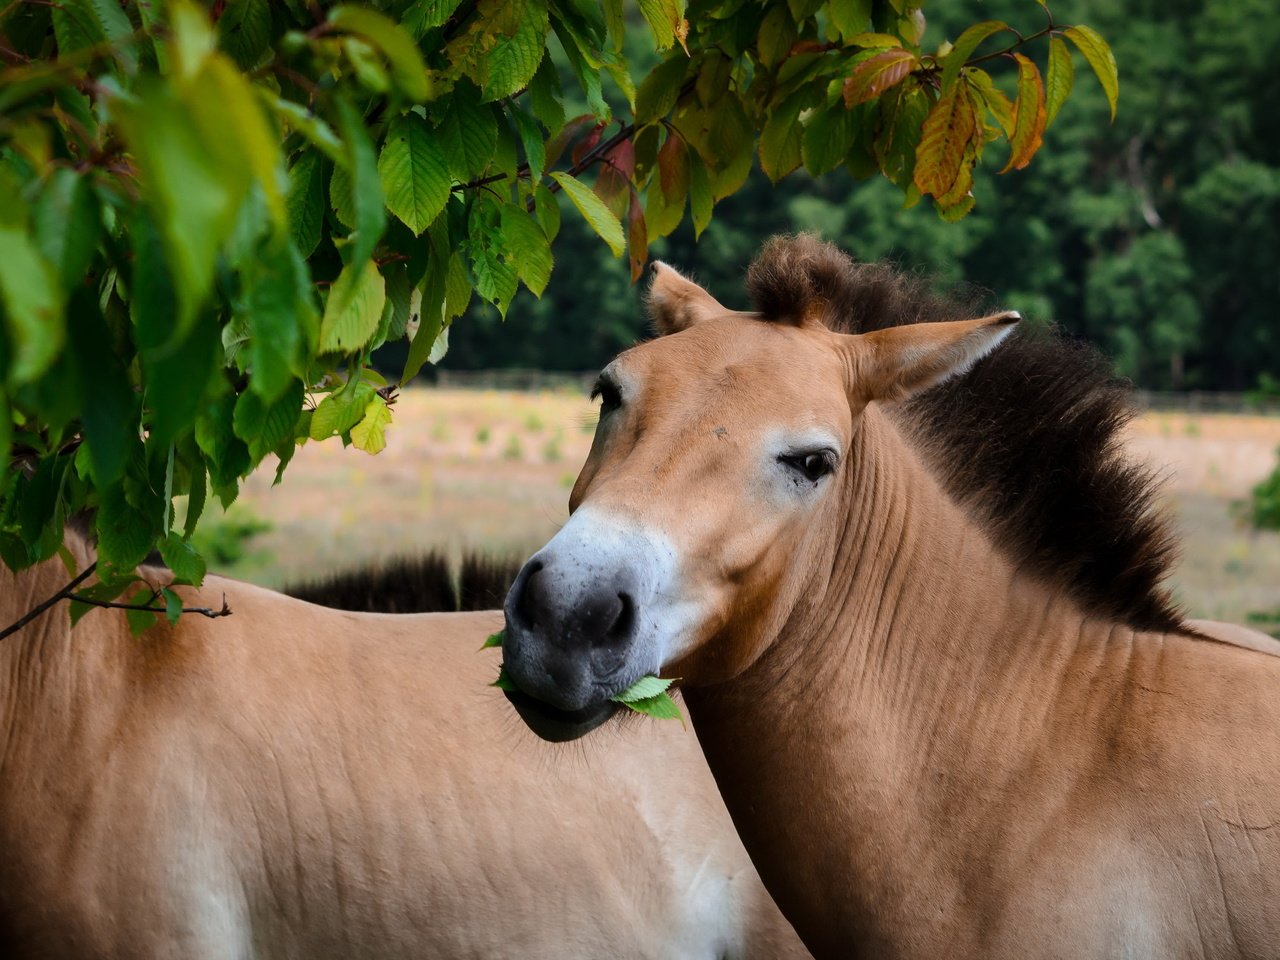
666,20
965,44
777,34
657,94
494,640
504,682
264,426
661,707
701,201
546,98
535,149
104,394
195,197
781,138
172,605
304,202
278,312
642,689
986,92
226,454
468,133
370,434
1028,115
1058,79
355,306
244,31
106,592
140,617
33,306
510,66
369,206
311,126
529,248
340,411
407,66
415,173
1101,59
183,559
67,225
849,17
827,138
125,534
593,210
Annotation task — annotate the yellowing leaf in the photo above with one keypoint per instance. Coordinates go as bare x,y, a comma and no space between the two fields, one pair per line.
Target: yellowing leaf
407,66
947,130
370,434
593,210
1100,57
874,76
1059,79
1028,116
355,306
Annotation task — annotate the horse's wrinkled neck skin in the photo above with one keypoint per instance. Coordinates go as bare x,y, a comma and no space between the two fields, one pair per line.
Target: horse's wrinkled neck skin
906,697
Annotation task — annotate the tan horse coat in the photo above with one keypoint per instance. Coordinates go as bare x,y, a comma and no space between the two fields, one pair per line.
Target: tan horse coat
930,746
298,782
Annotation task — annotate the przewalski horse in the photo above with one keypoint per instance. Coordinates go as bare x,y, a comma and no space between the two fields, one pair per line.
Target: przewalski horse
923,643
299,782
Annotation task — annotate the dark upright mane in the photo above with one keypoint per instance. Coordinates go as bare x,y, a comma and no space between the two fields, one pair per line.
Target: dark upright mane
422,584
1030,439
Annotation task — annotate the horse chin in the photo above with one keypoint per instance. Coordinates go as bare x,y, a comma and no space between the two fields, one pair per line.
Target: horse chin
556,725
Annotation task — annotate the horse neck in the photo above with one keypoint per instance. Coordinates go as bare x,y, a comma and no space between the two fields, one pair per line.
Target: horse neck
48,672
863,751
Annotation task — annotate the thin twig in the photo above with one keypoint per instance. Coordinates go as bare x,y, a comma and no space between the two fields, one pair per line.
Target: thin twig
1022,41
40,608
114,605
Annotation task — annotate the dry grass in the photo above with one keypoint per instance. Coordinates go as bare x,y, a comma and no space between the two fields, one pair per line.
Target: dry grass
491,470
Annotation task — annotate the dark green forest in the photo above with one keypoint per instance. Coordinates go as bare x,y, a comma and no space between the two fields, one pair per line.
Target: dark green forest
1157,237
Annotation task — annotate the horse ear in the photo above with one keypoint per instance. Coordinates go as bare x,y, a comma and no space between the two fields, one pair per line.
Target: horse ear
896,362
676,302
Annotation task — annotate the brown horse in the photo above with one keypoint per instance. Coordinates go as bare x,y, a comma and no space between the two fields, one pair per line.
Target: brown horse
924,643
293,781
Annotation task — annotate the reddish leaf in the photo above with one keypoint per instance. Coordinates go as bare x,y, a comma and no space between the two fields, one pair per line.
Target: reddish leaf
637,237
587,143
614,189
1028,116
877,74
557,144
622,158
673,168
947,131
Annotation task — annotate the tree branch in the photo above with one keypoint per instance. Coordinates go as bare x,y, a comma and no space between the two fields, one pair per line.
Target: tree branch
41,607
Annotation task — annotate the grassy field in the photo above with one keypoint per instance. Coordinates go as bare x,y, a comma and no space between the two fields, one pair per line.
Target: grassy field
490,470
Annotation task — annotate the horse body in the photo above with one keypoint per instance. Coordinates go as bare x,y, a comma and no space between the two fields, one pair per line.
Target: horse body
298,782
945,720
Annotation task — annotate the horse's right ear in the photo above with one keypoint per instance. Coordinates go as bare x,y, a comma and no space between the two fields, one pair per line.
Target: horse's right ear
676,302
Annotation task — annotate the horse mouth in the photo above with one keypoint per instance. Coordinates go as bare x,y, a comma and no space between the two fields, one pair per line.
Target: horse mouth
556,725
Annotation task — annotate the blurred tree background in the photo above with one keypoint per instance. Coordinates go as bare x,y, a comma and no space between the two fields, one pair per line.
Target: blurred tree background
1157,238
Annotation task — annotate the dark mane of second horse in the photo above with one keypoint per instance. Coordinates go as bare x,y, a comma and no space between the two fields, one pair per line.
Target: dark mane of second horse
1030,439
422,584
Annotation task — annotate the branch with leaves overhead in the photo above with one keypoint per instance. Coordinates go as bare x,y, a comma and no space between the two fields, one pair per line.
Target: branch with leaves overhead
222,212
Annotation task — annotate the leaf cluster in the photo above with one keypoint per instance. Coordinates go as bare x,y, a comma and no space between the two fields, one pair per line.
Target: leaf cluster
219,212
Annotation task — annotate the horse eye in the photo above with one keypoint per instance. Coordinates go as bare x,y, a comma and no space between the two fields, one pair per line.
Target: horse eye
814,466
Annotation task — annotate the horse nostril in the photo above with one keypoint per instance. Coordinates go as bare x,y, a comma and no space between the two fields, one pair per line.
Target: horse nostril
530,599
624,623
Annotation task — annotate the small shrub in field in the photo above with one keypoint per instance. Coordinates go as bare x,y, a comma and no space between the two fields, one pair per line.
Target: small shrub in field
440,430
533,423
482,435
552,452
513,450
1264,506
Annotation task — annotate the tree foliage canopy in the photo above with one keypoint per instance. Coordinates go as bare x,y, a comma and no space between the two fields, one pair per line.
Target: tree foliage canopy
218,212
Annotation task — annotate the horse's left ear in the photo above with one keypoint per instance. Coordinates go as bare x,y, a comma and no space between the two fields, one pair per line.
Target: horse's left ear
896,362
676,302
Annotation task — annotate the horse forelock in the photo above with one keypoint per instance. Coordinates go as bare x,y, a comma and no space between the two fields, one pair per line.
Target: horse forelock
1030,440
